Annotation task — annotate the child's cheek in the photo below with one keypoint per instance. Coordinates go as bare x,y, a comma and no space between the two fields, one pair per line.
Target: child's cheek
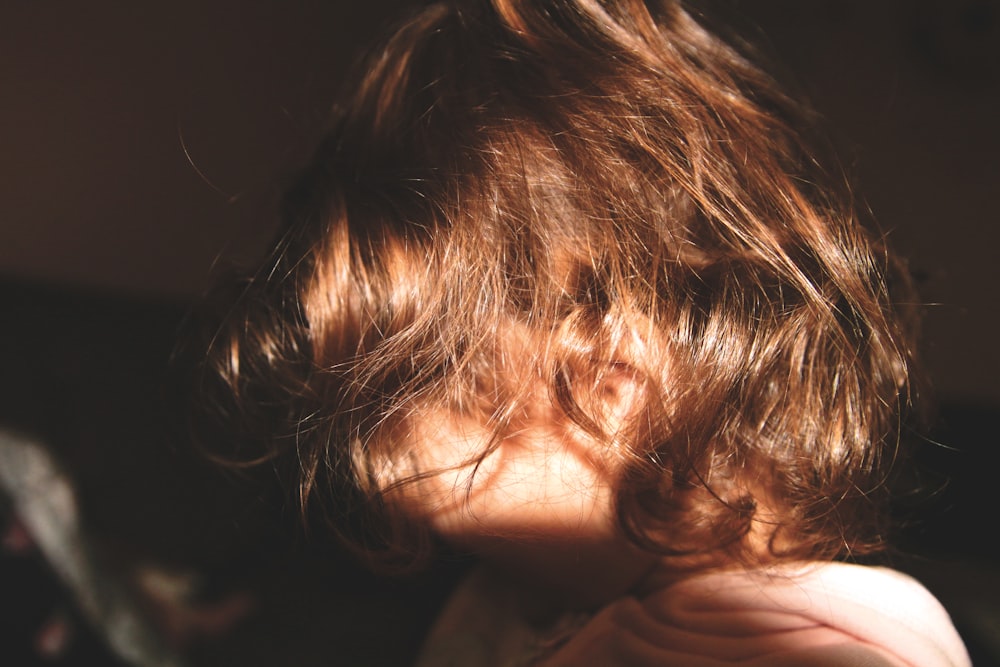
540,506
534,484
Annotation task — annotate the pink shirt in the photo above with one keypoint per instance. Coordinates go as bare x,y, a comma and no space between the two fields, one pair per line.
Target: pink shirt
810,615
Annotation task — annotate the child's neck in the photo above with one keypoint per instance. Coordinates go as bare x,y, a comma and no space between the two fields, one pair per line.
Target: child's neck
549,577
559,573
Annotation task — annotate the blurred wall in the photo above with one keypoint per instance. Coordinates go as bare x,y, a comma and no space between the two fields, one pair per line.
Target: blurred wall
139,141
912,90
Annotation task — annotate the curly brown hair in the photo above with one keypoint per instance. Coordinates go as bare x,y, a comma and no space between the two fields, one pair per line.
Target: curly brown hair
619,189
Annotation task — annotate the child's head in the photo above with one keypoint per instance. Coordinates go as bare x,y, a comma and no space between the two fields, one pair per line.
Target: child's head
575,253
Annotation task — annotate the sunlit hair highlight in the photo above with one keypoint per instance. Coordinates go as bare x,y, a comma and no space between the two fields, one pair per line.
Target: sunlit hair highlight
618,191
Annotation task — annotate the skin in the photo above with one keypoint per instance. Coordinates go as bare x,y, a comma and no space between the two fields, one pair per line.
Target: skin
539,507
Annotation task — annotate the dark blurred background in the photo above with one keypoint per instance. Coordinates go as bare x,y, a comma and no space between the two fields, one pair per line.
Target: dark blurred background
141,140
142,144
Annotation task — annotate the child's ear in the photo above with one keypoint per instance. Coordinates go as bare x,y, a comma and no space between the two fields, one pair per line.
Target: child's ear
618,394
